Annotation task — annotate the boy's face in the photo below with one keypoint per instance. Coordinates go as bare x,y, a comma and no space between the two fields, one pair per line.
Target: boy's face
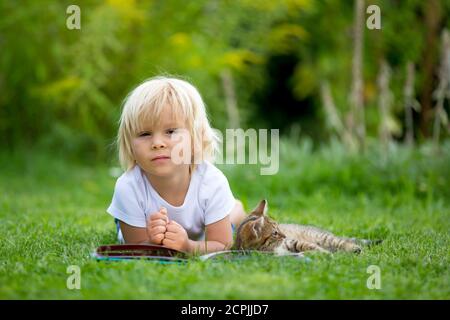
163,150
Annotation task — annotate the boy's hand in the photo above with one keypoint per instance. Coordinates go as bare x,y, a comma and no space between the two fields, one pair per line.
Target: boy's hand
176,237
156,226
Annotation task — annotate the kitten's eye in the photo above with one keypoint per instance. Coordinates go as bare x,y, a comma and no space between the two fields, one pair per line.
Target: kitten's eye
275,233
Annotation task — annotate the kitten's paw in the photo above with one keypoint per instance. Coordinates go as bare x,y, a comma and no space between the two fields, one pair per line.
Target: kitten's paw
356,249
353,248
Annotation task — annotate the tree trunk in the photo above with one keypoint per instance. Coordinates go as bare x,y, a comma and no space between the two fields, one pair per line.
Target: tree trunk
230,99
408,94
332,117
433,16
357,92
443,88
384,101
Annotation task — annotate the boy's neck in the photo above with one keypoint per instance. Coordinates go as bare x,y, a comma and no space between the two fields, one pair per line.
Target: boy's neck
172,188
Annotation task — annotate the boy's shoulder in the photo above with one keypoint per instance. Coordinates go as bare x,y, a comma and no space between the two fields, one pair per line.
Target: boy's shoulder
129,178
209,173
207,168
213,190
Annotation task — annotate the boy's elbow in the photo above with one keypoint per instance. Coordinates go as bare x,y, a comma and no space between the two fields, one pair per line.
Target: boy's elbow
228,245
222,245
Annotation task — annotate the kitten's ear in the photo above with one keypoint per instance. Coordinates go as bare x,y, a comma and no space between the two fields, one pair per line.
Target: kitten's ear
257,227
261,209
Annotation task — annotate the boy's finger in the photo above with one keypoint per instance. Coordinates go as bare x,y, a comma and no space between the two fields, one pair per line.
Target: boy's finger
173,222
173,226
157,229
157,239
158,222
163,210
171,235
154,216
168,242
158,215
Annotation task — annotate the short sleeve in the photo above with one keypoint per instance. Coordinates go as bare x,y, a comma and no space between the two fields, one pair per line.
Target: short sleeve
125,204
219,200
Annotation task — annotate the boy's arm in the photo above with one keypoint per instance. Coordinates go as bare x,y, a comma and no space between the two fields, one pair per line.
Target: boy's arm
134,235
219,236
154,233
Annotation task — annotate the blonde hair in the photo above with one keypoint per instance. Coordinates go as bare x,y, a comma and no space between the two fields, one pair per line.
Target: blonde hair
144,105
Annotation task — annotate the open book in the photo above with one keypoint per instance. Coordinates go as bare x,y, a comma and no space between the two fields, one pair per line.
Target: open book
164,254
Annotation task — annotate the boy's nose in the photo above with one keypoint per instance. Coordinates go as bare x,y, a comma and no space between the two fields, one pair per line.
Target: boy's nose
158,143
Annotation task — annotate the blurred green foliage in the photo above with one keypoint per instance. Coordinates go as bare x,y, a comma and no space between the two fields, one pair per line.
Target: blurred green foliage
62,89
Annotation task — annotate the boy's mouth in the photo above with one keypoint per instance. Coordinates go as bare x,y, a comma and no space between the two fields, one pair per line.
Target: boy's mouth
160,158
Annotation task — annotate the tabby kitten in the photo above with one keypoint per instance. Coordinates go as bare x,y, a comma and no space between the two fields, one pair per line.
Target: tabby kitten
259,232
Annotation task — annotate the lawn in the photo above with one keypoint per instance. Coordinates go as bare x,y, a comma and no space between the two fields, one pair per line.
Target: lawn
53,216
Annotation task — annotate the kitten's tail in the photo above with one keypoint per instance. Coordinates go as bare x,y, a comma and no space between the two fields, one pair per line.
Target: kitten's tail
367,242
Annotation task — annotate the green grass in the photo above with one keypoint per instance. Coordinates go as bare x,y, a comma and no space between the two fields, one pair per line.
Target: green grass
53,215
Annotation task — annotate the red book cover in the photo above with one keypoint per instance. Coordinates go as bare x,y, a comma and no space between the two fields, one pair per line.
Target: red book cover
162,253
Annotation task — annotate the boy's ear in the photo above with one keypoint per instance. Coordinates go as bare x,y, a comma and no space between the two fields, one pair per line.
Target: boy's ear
261,209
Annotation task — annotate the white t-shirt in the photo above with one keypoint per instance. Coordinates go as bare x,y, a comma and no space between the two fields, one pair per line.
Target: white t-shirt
208,200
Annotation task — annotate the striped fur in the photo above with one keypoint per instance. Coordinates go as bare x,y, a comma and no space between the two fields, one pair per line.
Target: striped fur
259,232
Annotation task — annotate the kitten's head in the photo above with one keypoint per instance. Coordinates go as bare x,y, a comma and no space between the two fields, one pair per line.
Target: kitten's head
258,231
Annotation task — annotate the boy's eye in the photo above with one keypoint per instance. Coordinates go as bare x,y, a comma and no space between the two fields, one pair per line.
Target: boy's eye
144,134
171,131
